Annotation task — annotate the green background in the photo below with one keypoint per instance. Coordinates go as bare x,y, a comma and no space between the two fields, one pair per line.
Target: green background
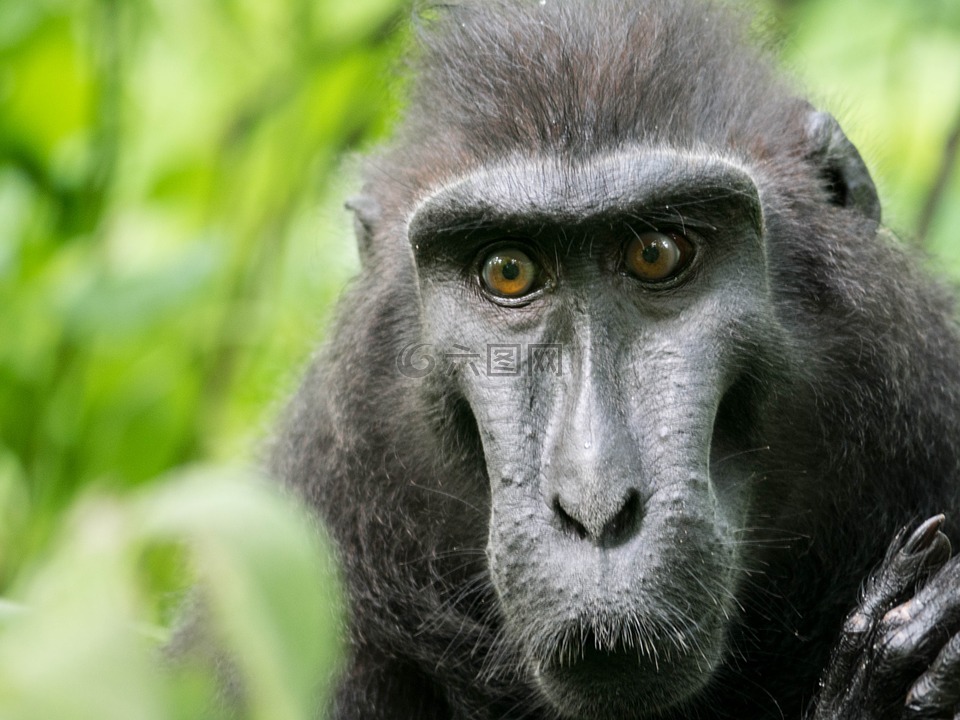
172,174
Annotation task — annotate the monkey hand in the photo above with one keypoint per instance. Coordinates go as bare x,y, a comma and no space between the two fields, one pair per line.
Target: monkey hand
899,651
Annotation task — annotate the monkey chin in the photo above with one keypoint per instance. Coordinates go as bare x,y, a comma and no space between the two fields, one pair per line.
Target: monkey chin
621,683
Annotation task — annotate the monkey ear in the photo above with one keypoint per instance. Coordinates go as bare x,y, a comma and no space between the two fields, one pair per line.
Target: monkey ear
841,166
366,216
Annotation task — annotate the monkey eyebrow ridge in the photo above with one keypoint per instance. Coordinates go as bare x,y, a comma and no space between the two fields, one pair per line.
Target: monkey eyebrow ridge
630,183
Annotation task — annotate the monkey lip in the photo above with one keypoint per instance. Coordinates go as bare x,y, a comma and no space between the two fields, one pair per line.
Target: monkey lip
590,664
588,654
577,678
616,679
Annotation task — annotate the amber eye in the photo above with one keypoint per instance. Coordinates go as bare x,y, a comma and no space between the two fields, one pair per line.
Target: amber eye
509,273
656,256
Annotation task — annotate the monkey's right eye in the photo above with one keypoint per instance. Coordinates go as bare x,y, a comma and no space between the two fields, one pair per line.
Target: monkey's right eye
509,273
655,257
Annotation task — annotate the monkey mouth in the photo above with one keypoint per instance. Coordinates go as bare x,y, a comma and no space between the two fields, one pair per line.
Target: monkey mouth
571,670
590,652
598,674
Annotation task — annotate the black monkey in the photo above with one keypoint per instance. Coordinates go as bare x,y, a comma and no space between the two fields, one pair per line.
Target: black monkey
632,392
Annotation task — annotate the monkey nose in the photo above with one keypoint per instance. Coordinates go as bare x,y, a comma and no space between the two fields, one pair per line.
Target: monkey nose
605,523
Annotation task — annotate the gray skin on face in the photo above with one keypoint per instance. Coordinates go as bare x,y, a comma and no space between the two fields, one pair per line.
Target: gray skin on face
612,537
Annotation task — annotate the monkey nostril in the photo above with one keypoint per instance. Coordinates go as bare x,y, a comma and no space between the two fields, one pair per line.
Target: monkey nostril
607,532
625,523
567,522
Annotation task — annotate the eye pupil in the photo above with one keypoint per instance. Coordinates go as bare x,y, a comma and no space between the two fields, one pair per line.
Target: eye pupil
655,257
509,273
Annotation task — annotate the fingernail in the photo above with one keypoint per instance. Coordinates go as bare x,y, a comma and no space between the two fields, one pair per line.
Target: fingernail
922,537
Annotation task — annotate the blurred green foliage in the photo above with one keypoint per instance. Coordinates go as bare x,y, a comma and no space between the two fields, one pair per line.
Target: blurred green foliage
171,240
78,646
890,71
166,246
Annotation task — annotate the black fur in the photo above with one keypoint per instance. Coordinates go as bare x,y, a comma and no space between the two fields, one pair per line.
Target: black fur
854,437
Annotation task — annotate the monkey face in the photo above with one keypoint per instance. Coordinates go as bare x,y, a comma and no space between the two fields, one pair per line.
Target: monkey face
677,385
609,355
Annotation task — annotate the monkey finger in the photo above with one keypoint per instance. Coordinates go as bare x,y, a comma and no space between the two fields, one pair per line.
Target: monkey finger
936,603
923,553
912,633
908,560
937,692
934,557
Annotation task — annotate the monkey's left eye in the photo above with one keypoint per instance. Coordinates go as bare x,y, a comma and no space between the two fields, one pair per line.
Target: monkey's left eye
656,257
508,273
